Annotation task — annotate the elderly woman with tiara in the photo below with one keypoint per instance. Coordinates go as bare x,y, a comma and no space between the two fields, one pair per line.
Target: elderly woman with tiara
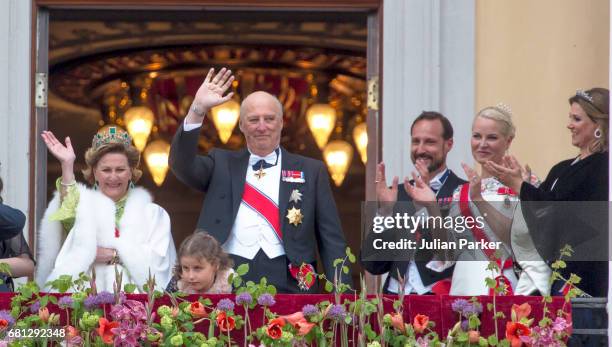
113,224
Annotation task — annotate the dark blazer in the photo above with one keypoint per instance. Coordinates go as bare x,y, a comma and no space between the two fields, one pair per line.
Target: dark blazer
423,256
11,222
583,224
221,175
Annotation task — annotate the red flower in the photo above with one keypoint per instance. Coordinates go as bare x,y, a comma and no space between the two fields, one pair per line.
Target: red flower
473,336
514,331
71,331
397,321
3,324
300,323
275,328
43,313
224,322
196,309
105,330
420,323
520,312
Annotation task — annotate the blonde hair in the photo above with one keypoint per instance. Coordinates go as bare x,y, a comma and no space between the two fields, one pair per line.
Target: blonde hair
502,115
93,156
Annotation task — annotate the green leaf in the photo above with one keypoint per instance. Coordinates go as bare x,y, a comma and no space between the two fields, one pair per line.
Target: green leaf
345,270
129,288
490,283
493,340
44,301
474,322
329,287
242,269
53,299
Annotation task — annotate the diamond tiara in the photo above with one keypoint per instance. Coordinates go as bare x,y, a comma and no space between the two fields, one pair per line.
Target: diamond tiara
111,134
503,108
581,93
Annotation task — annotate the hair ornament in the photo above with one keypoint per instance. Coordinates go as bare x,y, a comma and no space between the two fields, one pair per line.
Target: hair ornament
504,109
584,95
111,134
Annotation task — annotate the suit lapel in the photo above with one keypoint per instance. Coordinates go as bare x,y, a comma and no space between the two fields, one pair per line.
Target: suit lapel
451,183
288,162
238,168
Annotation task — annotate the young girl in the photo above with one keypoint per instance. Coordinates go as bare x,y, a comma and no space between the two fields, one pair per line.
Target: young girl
203,266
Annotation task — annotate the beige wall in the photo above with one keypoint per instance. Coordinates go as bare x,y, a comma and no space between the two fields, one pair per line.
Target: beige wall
533,55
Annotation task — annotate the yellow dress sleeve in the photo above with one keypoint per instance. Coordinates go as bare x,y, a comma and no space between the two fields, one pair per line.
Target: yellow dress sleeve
66,213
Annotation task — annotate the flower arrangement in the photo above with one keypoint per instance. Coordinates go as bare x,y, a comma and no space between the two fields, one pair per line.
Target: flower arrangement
249,318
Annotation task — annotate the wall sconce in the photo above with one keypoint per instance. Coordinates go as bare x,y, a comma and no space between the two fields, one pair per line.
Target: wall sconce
338,155
156,156
321,119
139,121
360,136
225,118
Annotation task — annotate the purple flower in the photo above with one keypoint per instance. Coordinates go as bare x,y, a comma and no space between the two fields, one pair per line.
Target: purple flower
65,302
90,301
244,298
225,305
465,325
561,325
105,298
6,315
309,310
120,312
266,299
336,312
472,309
35,307
137,309
459,305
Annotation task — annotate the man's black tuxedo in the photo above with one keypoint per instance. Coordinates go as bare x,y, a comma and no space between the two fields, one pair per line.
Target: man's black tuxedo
428,276
221,175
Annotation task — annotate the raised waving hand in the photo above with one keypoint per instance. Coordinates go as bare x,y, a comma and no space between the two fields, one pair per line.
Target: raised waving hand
210,94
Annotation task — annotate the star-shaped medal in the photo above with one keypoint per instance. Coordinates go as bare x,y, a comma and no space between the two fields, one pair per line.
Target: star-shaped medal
295,196
295,216
260,173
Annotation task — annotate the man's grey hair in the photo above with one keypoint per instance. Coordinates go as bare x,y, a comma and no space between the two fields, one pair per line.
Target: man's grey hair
276,101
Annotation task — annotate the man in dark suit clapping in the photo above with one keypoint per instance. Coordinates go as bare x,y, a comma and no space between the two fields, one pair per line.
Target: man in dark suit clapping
431,140
269,208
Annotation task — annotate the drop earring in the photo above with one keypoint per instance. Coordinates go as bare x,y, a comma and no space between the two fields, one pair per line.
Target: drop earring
95,187
597,133
131,185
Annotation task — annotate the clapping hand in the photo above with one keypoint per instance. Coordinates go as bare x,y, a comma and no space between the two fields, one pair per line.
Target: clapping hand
475,182
509,173
210,94
420,192
385,195
63,153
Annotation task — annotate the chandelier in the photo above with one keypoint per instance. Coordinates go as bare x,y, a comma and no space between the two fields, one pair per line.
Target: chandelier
153,105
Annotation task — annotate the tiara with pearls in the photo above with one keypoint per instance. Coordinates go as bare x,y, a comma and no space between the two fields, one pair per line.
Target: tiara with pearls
111,134
503,108
582,94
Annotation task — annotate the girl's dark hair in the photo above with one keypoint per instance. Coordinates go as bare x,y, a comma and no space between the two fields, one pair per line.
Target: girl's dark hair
202,245
1,186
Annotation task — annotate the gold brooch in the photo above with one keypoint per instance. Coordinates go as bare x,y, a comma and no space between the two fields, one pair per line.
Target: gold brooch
295,216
